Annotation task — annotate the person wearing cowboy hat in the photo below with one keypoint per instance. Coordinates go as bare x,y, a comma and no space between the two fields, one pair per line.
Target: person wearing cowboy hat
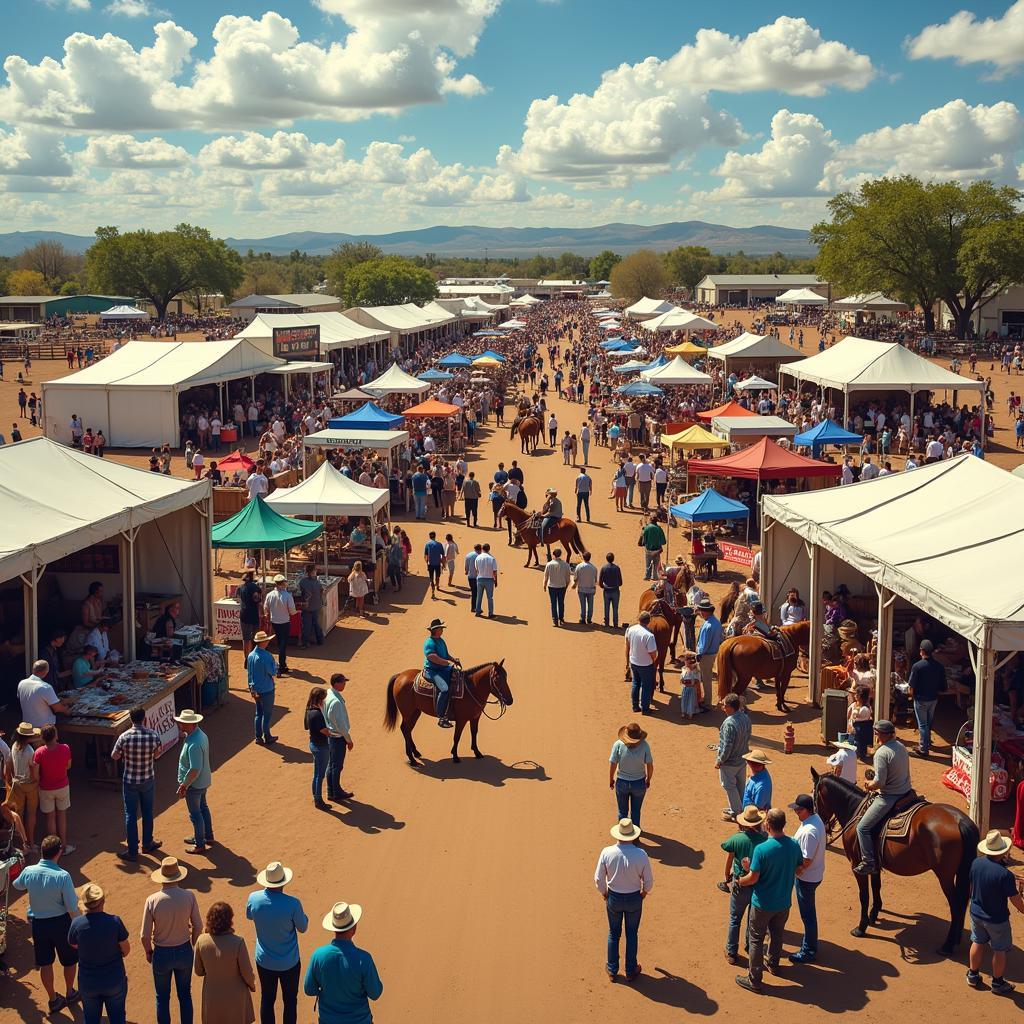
437,667
278,919
758,790
844,761
23,780
195,777
891,781
551,513
630,770
171,923
709,639
260,669
993,888
624,879
279,606
740,847
102,943
342,977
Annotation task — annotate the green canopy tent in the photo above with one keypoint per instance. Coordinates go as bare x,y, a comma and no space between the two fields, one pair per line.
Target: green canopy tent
258,527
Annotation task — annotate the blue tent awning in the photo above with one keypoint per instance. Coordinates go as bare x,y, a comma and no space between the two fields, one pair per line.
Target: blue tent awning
455,359
709,506
490,354
639,389
826,432
366,417
435,376
660,361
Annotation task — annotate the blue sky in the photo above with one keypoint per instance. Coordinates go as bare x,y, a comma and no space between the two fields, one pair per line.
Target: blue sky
377,115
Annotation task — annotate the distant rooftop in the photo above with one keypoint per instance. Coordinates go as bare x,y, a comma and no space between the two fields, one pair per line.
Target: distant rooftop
284,301
765,279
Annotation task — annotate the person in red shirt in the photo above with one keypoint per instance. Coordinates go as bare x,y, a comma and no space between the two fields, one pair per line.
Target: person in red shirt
54,761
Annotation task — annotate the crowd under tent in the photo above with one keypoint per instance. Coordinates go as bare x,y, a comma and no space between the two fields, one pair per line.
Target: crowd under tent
71,519
395,381
686,348
678,372
754,384
826,433
892,535
694,439
353,396
133,394
526,300
118,313
758,353
680,320
863,365
801,297
388,442
645,308
711,507
455,359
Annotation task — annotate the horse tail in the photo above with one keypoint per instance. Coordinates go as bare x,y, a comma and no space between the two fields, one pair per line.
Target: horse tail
723,666
969,837
577,540
391,714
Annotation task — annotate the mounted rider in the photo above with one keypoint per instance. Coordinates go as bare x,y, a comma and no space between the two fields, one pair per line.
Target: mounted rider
551,513
890,783
437,667
759,624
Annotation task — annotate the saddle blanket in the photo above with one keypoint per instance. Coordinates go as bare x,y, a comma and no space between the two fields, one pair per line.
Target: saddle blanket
780,645
456,688
897,825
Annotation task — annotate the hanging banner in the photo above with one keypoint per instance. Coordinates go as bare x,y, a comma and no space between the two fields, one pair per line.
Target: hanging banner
160,718
737,553
297,343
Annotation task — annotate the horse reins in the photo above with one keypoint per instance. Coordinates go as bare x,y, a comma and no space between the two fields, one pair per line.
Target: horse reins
483,705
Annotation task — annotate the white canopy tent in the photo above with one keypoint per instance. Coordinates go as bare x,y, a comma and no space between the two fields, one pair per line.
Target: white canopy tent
526,300
55,501
755,384
860,364
752,428
124,313
390,441
753,346
680,320
645,308
801,297
132,394
941,538
337,331
676,372
395,381
876,301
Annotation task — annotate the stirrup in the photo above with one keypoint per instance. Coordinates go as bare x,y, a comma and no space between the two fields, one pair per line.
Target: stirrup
444,723
866,867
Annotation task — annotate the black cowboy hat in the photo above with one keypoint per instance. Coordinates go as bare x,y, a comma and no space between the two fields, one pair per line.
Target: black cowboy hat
436,624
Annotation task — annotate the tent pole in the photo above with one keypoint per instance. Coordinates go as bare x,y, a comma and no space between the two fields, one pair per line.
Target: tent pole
981,763
815,612
883,658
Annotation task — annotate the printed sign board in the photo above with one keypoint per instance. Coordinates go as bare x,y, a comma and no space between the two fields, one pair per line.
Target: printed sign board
297,343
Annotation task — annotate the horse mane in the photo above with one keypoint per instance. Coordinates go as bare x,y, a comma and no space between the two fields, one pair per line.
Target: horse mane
476,668
850,794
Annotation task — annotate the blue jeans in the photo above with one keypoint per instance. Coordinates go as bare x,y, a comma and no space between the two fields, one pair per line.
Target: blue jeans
586,605
94,999
583,502
630,487
629,795
485,588
199,814
311,631
611,605
546,524
643,685
421,505
335,762
623,908
321,757
739,904
176,962
805,894
264,712
556,595
924,710
442,689
138,797
879,809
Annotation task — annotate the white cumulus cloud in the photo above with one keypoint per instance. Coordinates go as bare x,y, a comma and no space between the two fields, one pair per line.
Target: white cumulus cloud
33,152
126,151
282,150
968,39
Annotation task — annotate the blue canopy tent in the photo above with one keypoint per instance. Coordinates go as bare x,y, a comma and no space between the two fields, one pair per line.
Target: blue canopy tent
660,361
639,389
490,354
826,432
711,507
621,345
366,417
435,376
455,359
631,366
610,343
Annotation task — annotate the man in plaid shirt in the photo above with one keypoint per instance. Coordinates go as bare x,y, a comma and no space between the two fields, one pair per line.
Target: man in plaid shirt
138,749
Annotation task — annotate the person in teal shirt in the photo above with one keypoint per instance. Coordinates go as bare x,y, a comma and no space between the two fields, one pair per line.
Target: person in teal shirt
437,667
342,977
195,777
82,671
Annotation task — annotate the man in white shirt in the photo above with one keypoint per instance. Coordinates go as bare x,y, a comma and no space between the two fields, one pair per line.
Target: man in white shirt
811,838
584,582
278,465
847,477
486,567
280,607
629,468
215,429
257,484
312,423
844,761
552,430
868,470
39,703
557,575
99,637
641,654
660,484
644,476
429,444
624,879
934,450
278,430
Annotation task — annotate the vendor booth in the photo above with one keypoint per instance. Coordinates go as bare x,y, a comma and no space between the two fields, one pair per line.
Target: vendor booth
739,430
441,414
893,540
686,348
757,353
710,507
677,373
117,314
388,443
726,409
395,381
826,433
680,320
645,308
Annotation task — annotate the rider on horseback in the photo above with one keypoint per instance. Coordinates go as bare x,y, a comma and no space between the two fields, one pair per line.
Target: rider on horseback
551,513
758,623
437,667
891,781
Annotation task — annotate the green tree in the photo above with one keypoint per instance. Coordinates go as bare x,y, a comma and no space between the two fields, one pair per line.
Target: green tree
71,287
538,266
56,263
387,281
27,282
601,265
342,259
639,274
161,265
570,266
688,264
924,242
264,277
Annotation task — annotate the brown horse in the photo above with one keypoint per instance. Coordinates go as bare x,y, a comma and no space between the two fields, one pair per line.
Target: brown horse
942,839
565,531
530,431
665,625
749,657
481,683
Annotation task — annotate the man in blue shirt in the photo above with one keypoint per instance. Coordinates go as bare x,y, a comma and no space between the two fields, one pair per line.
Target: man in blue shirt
278,919
437,667
194,778
993,888
260,669
341,976
927,680
52,902
433,555
709,639
758,790
420,486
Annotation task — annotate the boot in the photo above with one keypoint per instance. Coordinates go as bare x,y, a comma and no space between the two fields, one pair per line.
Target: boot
442,711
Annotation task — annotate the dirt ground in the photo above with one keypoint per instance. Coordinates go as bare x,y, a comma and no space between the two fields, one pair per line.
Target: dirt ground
476,879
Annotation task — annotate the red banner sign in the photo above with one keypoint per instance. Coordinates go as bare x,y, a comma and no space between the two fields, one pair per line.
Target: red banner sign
737,553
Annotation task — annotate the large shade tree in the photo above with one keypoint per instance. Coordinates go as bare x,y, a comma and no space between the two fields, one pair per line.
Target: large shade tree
161,265
639,274
387,281
924,242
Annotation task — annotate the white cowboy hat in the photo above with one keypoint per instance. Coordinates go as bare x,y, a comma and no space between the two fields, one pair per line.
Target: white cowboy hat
91,895
262,638
188,717
844,744
280,579
995,844
169,871
274,876
625,830
342,917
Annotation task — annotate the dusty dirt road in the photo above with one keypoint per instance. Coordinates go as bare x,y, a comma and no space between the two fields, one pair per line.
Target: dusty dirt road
476,878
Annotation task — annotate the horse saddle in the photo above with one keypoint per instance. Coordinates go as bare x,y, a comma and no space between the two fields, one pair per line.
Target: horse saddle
456,686
664,609
780,645
533,522
897,825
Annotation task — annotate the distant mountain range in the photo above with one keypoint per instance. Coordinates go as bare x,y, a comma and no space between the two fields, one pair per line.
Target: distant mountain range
472,240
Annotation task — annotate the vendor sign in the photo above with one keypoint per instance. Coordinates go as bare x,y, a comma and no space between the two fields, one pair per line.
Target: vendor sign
738,553
160,718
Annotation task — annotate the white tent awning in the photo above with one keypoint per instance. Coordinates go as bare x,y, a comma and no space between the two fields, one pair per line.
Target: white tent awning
753,346
337,331
645,308
124,313
680,320
869,301
801,297
678,371
328,492
395,381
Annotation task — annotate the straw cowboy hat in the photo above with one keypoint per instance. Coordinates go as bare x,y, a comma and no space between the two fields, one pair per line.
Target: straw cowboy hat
632,734
342,917
169,871
844,744
847,629
995,844
274,876
625,831
188,717
757,756
280,579
751,817
436,624
262,638
26,729
91,895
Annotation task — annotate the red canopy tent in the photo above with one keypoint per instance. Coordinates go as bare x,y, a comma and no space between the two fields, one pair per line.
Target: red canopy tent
764,461
729,409
235,462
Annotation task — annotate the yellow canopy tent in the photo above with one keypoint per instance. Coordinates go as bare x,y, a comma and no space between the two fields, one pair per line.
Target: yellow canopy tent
694,438
486,361
686,348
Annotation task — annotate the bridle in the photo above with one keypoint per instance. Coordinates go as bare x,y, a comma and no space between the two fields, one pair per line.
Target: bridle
486,702
834,829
